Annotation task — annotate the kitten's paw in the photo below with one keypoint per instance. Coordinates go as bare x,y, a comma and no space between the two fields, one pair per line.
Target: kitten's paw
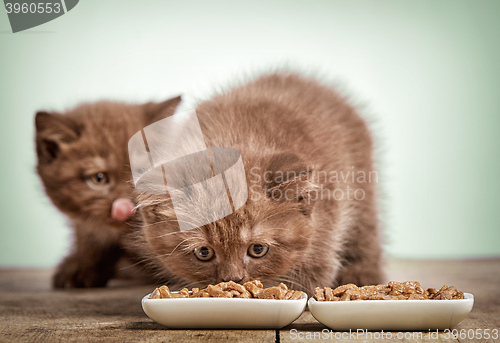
71,275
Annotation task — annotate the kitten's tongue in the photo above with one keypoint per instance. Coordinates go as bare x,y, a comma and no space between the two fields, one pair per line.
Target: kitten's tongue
122,209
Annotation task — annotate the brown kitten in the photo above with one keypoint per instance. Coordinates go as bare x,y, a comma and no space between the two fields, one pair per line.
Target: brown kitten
294,134
83,164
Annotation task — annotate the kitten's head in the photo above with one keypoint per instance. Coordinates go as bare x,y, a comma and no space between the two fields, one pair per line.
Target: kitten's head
83,159
266,239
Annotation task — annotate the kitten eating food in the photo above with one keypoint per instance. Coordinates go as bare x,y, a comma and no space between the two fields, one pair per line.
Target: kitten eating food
307,220
84,168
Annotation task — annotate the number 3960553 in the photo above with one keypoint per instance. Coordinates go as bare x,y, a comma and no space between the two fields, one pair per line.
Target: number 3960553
41,7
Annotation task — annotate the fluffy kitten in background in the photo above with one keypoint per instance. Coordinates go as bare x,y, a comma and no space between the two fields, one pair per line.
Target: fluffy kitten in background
83,164
290,130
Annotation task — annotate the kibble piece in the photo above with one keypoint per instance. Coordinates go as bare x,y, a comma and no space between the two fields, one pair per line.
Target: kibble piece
446,294
345,297
246,295
293,295
234,293
197,293
257,283
396,287
231,285
341,289
217,292
283,286
184,292
412,287
365,293
432,290
253,288
383,288
354,294
165,292
329,294
296,295
273,293
155,294
439,294
319,293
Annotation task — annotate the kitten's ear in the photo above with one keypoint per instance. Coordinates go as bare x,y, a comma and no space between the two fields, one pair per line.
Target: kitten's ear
288,178
52,130
155,111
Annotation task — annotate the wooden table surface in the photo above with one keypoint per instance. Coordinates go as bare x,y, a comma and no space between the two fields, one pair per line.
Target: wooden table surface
31,312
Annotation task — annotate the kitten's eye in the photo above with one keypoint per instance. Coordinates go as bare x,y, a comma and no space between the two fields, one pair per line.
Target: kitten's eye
257,250
204,253
98,179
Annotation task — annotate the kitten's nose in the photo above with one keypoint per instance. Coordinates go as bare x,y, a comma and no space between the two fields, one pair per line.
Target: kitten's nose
122,209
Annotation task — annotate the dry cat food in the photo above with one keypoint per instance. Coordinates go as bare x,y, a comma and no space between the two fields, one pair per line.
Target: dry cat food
249,290
409,290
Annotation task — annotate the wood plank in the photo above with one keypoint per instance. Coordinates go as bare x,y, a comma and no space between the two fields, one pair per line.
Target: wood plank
31,311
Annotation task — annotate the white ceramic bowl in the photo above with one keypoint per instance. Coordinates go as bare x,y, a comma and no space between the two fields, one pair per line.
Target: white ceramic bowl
218,313
391,314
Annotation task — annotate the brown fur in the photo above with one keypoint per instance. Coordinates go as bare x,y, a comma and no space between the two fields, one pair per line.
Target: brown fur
86,140
280,123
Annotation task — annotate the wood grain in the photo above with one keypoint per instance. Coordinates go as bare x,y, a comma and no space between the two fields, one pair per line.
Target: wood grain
31,312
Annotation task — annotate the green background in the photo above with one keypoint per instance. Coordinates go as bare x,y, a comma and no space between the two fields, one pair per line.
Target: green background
426,73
